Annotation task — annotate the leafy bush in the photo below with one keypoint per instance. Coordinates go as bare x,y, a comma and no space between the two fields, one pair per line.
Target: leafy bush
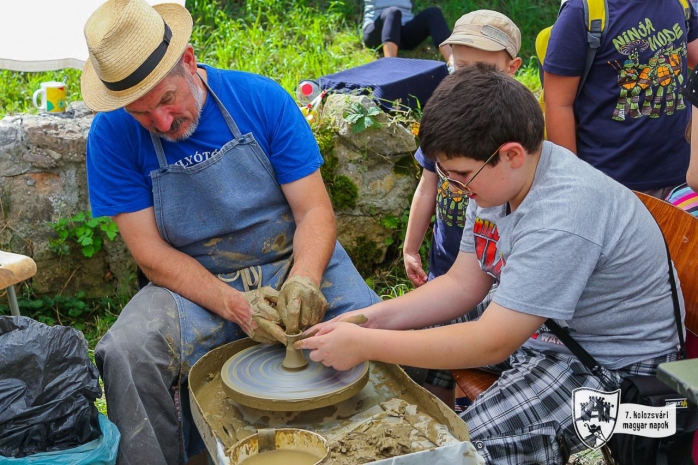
87,232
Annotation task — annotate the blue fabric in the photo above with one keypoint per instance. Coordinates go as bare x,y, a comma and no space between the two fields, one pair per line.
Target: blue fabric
408,80
635,134
449,222
120,155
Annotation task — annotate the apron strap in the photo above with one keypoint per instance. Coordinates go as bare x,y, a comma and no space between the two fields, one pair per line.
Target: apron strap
249,277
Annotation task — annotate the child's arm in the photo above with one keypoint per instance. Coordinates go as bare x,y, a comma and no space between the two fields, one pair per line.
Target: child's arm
421,211
692,175
438,301
489,340
560,93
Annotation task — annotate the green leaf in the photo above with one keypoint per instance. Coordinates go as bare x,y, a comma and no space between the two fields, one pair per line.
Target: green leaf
88,251
353,118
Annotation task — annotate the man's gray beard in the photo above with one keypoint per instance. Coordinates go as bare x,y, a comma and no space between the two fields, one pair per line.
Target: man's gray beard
199,96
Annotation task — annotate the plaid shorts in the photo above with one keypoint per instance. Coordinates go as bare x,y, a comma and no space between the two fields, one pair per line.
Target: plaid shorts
526,416
443,378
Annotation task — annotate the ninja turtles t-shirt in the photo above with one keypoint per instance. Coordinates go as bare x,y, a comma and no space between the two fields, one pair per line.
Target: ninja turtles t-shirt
585,251
631,117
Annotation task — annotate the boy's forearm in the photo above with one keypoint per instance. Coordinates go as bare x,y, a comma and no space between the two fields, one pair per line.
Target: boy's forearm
419,309
487,341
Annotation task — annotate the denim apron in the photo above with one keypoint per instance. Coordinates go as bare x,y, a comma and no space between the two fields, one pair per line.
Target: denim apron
230,214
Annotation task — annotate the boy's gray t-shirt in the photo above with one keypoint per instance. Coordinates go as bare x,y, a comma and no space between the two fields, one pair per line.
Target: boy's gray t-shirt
585,251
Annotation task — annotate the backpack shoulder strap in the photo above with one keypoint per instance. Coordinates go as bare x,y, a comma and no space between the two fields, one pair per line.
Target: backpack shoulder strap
596,17
686,7
542,40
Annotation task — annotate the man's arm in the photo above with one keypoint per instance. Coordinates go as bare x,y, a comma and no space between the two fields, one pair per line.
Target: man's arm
167,267
560,94
421,211
316,232
489,340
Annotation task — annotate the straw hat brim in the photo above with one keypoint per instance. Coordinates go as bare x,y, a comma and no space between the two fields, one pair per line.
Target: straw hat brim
98,98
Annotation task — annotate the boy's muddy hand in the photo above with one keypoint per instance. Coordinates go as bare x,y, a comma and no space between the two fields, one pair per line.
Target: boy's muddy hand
357,319
263,302
301,304
337,345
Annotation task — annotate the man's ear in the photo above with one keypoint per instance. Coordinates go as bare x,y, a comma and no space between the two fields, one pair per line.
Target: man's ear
189,59
514,154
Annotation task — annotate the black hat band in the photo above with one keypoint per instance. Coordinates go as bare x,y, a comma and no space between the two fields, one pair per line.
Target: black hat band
145,68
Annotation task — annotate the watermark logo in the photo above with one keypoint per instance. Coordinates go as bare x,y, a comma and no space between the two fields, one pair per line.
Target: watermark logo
599,414
595,415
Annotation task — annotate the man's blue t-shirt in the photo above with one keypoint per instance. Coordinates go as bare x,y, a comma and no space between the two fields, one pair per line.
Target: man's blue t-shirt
631,118
121,156
448,224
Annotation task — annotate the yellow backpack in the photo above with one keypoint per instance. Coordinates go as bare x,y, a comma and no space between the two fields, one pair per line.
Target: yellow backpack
596,17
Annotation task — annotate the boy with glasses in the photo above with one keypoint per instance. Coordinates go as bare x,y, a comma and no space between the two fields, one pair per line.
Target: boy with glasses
479,36
564,242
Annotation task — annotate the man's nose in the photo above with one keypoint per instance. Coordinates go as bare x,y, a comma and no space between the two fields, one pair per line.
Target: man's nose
162,120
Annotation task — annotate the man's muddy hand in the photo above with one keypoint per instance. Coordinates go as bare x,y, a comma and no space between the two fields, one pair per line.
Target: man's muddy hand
301,304
266,316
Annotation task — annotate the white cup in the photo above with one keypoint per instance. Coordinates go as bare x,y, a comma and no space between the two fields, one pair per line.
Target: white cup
52,97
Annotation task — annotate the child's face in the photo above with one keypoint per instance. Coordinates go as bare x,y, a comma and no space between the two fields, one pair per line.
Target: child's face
485,187
464,55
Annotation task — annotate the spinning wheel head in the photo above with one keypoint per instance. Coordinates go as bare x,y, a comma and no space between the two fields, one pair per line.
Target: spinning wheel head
255,377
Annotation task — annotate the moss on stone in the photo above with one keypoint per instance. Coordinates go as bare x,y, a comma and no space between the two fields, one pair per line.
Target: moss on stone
364,254
344,193
404,165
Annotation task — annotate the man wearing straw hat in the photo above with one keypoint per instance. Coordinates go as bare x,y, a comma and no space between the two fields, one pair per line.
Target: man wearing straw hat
213,179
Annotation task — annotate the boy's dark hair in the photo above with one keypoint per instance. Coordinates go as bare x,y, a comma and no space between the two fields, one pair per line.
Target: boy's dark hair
475,110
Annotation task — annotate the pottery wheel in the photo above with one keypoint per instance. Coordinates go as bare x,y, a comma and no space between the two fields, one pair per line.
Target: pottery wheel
254,377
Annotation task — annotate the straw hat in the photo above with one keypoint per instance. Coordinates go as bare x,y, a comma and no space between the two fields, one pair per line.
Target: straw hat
132,47
486,30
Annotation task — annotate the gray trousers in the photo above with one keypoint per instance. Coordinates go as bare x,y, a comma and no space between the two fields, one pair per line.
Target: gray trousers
139,362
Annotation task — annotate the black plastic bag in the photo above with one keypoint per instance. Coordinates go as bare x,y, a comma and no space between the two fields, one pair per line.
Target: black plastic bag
48,386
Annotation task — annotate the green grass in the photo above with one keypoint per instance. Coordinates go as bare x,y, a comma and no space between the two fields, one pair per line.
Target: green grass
289,40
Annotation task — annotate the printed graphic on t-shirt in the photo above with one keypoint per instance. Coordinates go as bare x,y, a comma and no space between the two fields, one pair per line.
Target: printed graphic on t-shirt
196,158
486,237
645,87
543,334
450,206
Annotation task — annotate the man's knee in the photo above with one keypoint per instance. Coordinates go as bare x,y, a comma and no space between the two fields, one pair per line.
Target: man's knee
148,324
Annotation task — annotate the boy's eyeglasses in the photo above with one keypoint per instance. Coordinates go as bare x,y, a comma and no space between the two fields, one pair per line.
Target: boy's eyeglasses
458,187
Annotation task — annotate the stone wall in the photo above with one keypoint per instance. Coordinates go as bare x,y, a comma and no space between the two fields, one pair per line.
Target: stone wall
42,179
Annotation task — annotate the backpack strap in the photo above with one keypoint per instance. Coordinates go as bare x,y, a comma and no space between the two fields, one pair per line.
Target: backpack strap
596,17
686,7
